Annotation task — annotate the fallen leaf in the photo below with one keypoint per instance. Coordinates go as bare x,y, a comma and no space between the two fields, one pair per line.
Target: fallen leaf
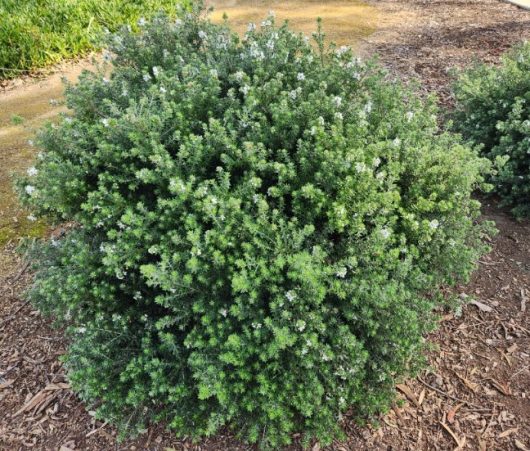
520,445
422,397
408,393
34,401
504,389
481,306
59,386
471,385
6,383
512,348
459,442
316,447
451,414
507,432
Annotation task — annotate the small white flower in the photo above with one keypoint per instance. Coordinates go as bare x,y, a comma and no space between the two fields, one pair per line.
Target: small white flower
245,89
202,35
255,198
163,90
300,76
146,77
142,22
356,76
293,94
342,50
338,116
106,81
313,130
31,218
54,102
68,120
165,53
385,233
270,45
32,171
251,27
337,101
214,73
409,115
223,312
105,122
376,161
434,224
341,272
396,142
360,167
266,23
321,121
156,71
178,22
124,92
239,75
290,296
81,330
368,107
300,325
31,143
29,189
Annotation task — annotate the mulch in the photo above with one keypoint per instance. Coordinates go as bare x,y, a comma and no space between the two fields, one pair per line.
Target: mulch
475,394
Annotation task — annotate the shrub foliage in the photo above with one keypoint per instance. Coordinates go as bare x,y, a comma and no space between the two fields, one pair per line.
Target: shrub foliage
261,227
493,110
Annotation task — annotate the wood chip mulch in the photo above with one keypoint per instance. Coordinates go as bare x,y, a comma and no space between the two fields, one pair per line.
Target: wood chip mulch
474,396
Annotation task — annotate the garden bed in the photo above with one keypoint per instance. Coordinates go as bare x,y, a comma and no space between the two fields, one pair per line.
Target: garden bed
476,394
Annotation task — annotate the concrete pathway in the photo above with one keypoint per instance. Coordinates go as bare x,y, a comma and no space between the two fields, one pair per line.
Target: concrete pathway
525,4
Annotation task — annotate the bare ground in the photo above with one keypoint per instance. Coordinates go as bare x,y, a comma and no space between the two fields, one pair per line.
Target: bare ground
476,392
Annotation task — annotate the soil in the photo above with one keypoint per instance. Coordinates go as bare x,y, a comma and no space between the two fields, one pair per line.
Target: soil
475,394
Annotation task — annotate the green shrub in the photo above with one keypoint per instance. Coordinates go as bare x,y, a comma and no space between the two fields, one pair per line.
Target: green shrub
493,111
36,33
261,231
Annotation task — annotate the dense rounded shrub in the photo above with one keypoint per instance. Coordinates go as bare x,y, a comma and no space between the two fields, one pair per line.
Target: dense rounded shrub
493,110
259,230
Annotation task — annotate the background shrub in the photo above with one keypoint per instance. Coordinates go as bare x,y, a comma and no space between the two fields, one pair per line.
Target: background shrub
36,33
493,110
261,231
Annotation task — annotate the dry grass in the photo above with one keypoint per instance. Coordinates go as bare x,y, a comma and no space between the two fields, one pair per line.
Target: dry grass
345,22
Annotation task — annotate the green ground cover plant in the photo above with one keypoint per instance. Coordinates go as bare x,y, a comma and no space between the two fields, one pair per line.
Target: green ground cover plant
261,229
37,33
493,111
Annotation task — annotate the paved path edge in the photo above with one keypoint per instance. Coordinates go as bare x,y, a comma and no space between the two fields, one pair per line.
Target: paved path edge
525,4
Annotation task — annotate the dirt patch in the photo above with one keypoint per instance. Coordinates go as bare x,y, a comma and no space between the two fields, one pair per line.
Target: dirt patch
345,21
35,101
427,39
476,393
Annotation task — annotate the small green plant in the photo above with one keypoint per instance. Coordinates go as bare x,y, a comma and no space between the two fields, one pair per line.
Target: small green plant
37,33
493,111
262,228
